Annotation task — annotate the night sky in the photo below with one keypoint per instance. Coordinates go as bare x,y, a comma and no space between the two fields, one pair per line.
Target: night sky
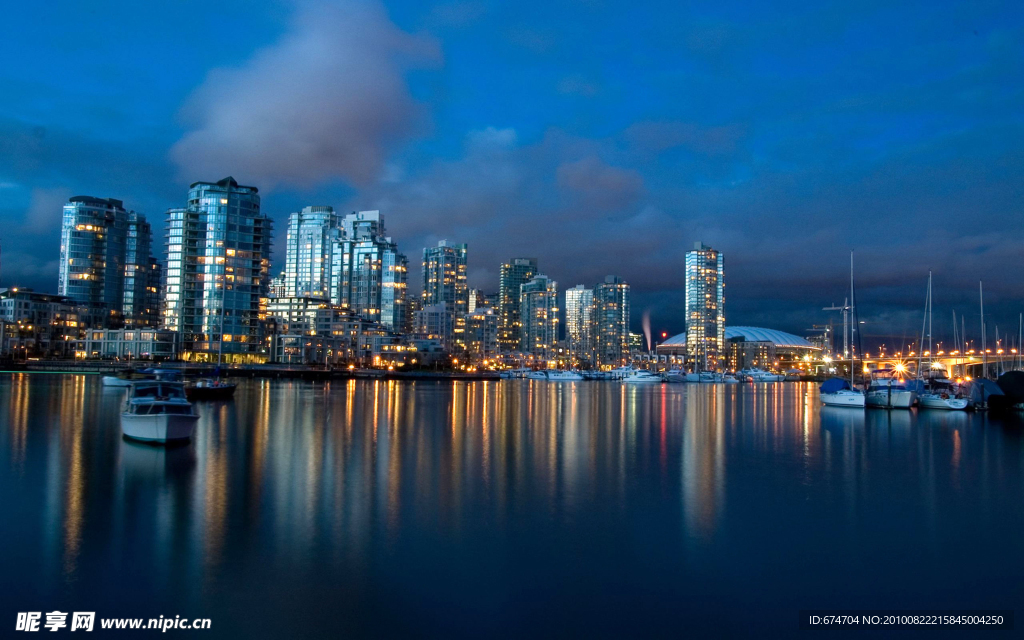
600,137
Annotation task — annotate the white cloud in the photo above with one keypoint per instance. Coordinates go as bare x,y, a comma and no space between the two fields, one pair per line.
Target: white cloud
328,100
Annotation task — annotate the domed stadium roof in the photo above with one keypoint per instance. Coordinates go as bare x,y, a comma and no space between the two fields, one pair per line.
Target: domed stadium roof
753,334
757,334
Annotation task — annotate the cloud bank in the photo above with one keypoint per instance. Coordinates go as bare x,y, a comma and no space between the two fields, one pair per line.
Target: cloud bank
328,100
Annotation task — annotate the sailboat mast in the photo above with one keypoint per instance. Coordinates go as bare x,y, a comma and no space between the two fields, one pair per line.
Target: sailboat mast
924,324
852,326
984,356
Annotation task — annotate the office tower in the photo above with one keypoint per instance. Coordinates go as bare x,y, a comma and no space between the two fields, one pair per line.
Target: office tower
611,322
482,334
514,274
94,234
369,275
538,313
218,262
444,283
705,307
312,233
579,311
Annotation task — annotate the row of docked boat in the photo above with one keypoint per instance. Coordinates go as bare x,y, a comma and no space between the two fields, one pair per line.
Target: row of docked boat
631,375
888,390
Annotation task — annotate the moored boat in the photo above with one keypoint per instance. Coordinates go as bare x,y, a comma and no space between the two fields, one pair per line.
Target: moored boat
756,374
567,375
837,392
158,411
641,376
890,390
674,375
207,389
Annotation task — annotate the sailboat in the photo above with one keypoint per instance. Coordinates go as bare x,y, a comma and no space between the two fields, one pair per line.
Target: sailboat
837,392
939,392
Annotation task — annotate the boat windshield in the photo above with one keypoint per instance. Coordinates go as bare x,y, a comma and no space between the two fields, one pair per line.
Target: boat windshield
160,391
146,409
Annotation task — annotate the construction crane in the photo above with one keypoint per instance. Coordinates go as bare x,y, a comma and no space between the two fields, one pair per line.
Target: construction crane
846,324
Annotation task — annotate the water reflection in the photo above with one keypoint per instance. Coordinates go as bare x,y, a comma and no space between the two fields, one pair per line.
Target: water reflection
367,489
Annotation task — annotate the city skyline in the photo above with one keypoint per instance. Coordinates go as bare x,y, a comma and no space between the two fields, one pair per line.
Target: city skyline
784,172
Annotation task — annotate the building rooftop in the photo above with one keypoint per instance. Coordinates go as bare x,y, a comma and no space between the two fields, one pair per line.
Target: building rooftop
752,334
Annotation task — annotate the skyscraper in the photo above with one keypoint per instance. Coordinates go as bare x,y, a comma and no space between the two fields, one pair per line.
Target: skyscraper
104,256
444,283
514,274
538,313
482,334
579,311
312,233
369,275
611,322
141,301
218,263
705,307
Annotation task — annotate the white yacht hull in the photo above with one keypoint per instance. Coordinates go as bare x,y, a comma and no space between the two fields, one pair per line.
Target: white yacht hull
160,427
642,380
895,399
114,381
565,377
843,398
702,377
936,401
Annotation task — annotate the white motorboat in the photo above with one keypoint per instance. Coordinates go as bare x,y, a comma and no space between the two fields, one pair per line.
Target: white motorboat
728,378
889,390
941,400
157,411
620,373
837,392
564,376
514,373
702,376
126,378
641,376
537,375
755,374
674,375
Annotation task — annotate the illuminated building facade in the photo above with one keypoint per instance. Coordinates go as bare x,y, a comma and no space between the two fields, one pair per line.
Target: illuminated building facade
514,274
482,334
218,261
444,284
705,307
105,260
611,322
579,324
310,241
538,311
368,274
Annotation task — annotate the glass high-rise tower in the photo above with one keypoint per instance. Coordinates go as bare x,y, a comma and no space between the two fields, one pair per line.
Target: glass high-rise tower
444,283
105,259
218,263
368,274
514,274
611,322
312,233
705,307
538,312
579,311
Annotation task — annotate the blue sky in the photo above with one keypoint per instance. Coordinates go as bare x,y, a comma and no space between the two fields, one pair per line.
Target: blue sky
599,137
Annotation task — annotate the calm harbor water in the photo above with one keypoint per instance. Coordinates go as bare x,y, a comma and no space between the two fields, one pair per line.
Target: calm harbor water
506,508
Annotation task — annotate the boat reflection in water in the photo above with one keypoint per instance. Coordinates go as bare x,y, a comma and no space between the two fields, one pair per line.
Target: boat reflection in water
437,508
